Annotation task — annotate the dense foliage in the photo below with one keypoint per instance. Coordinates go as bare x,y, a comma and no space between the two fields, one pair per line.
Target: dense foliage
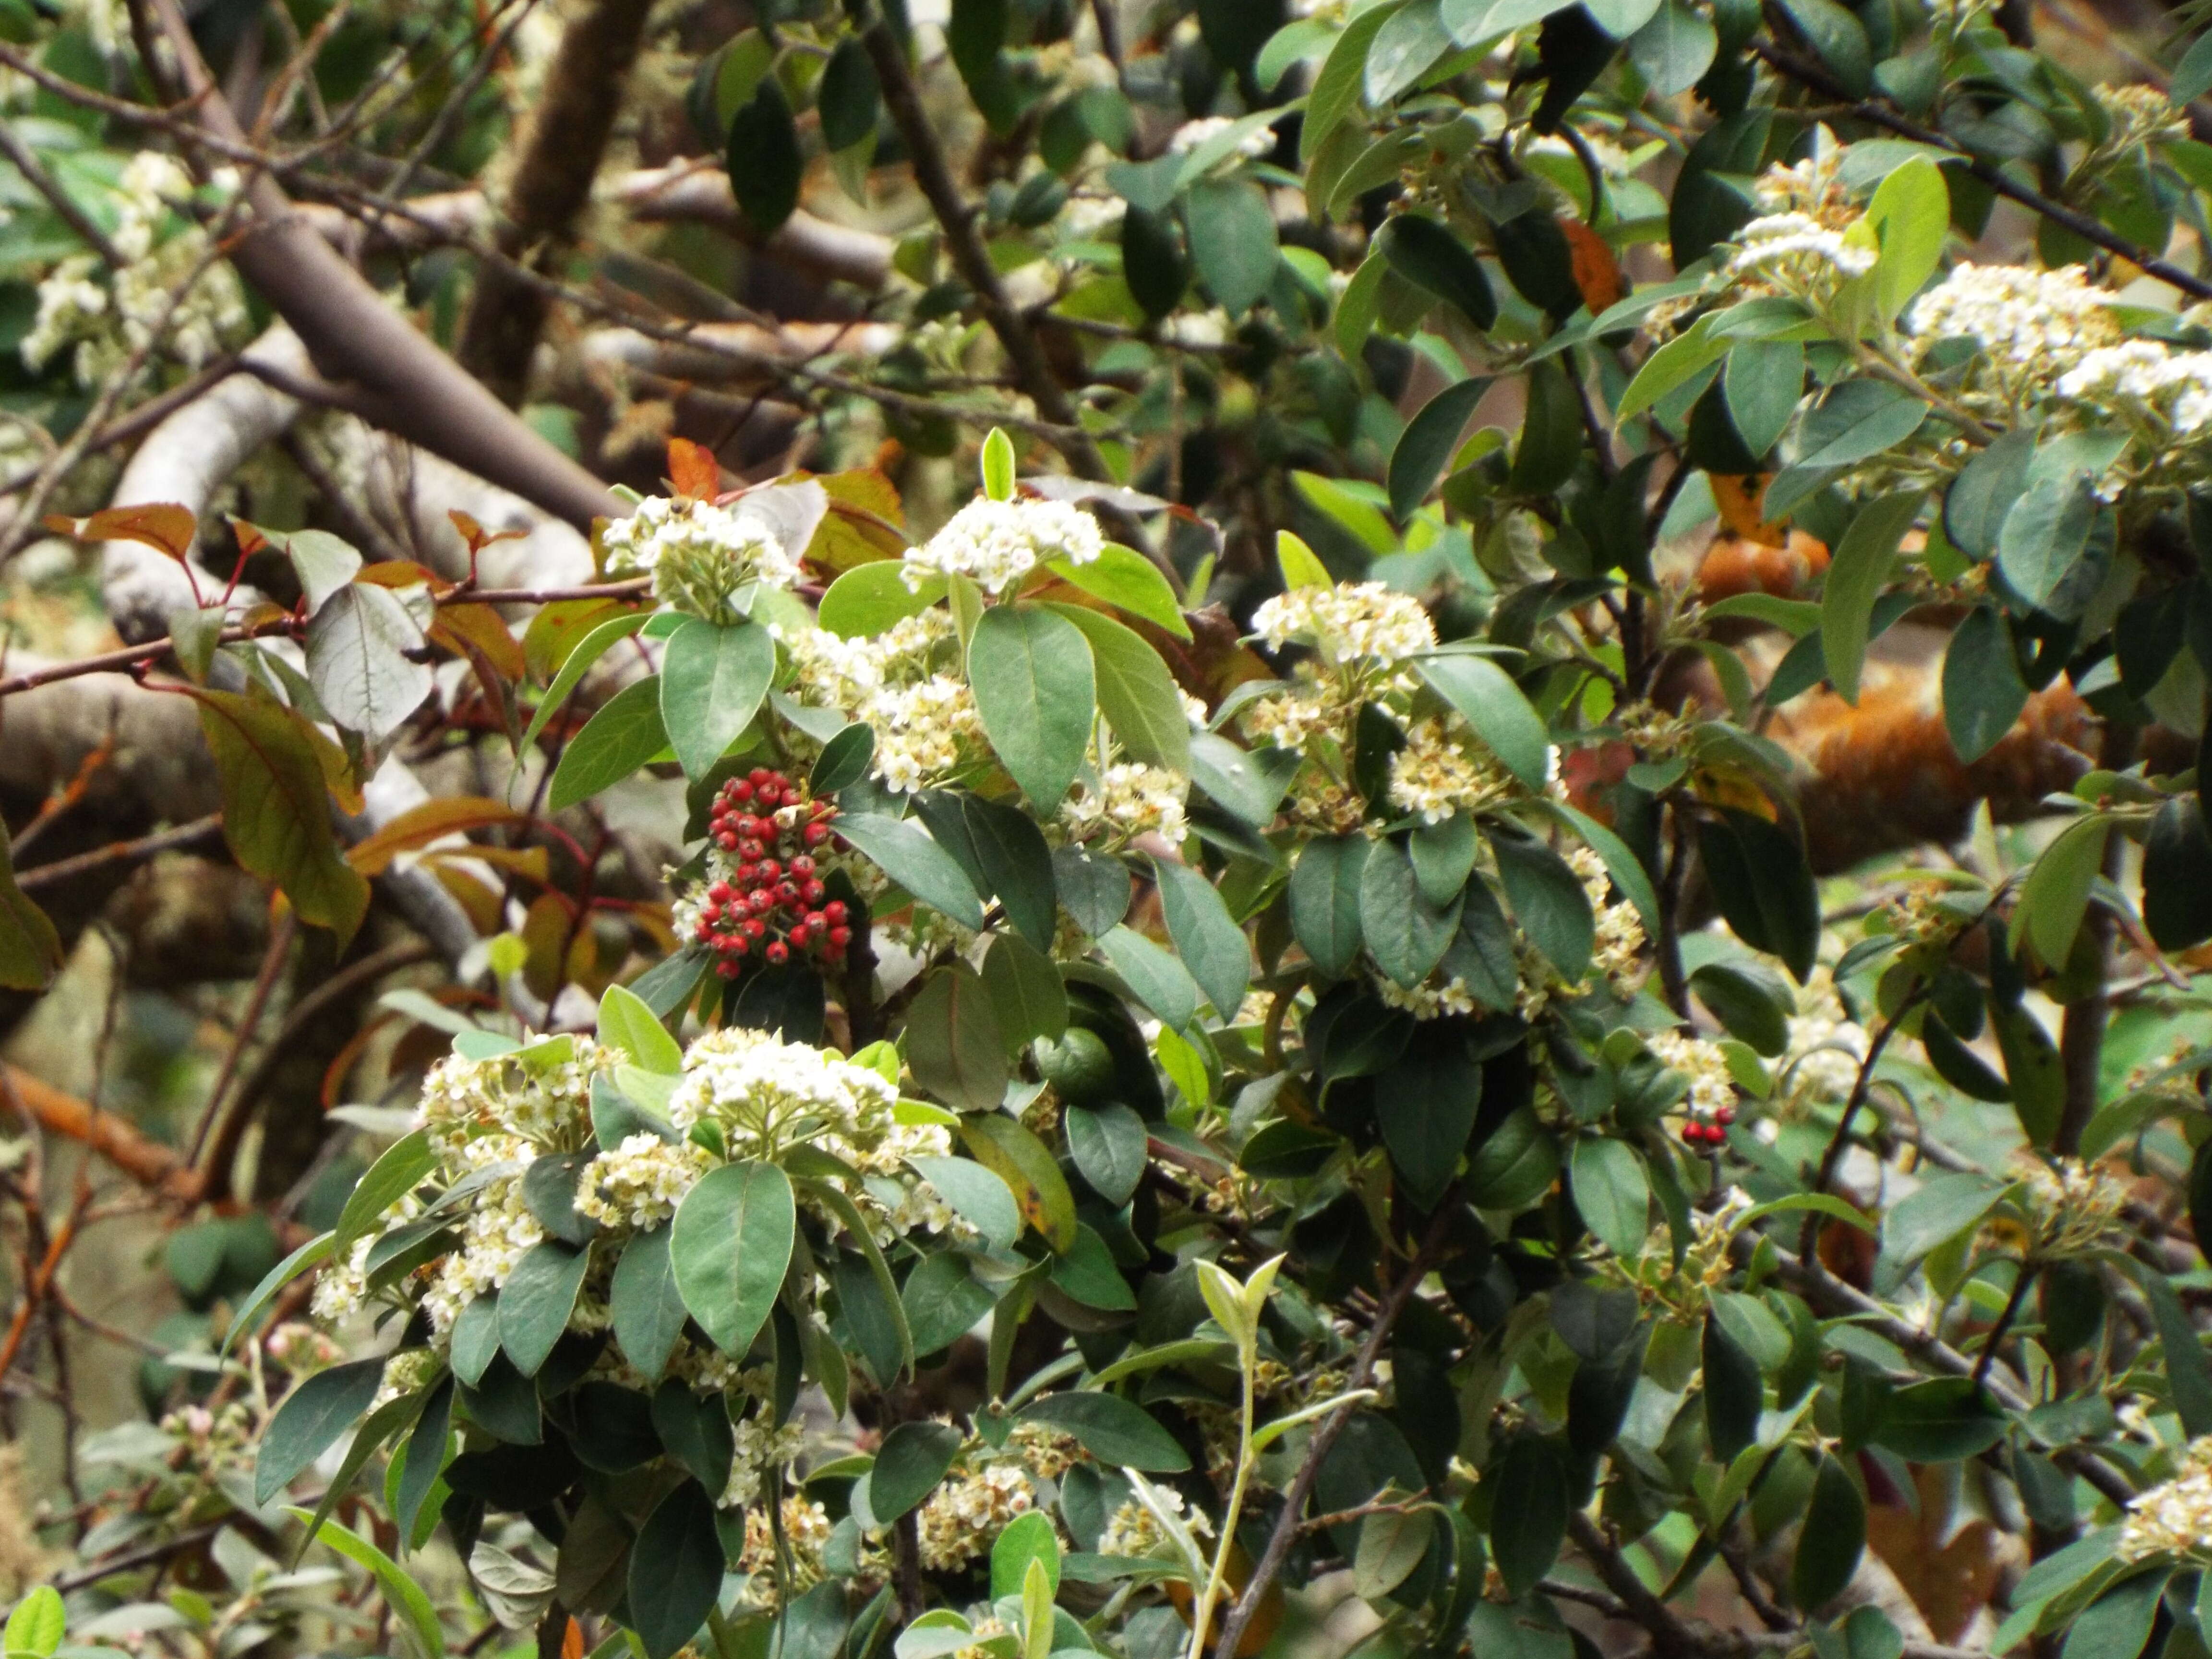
1511,923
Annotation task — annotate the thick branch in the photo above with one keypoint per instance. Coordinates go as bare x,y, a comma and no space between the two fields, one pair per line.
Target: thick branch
147,1162
352,335
970,258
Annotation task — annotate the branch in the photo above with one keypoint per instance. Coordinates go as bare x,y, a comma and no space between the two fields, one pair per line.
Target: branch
2090,230
352,335
1325,1437
147,1162
121,852
972,258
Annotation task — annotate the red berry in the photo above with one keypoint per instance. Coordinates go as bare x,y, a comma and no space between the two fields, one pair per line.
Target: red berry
778,952
760,902
704,931
770,869
758,776
840,937
747,874
816,833
786,892
798,936
754,928
725,970
813,891
834,909
727,841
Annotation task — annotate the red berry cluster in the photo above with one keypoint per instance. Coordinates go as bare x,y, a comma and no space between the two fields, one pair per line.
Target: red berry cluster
774,904
1709,1132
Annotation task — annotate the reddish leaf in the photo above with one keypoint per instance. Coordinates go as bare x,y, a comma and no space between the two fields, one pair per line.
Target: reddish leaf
162,525
1597,273
477,536
431,821
479,630
1742,500
402,572
693,470
277,807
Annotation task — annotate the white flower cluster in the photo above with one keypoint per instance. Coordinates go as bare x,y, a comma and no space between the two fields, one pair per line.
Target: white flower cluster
761,1447
2040,320
964,1516
1441,771
1432,998
481,1111
1712,1089
2073,1205
2142,376
996,544
1090,218
1192,134
161,252
1132,1530
1825,1047
923,732
700,555
924,720
1618,953
1797,243
1361,624
806,1529
2175,1518
497,1233
766,1094
640,1183
1129,800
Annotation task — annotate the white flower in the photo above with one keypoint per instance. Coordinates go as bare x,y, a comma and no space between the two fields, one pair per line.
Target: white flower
2175,1518
760,1447
1712,1089
1781,236
698,555
2175,385
1192,134
1090,218
1432,998
640,1183
1362,623
1439,773
1132,798
996,544
923,732
2040,320
1132,1530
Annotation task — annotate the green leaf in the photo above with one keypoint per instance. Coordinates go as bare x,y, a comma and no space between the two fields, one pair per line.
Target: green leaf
914,1458
37,1625
1551,437
1213,947
357,660
712,681
1910,213
1404,49
764,164
1028,1538
1337,88
696,1432
426,1457
872,597
1160,981
1513,1165
1425,447
1110,1146
475,1341
627,1023
942,1300
1933,1214
1487,700
1860,571
1982,691
1016,864
2044,539
1029,1171
1152,263
2188,1376
1248,783
644,1303
1301,566
625,733
1126,578
399,1588
2177,904
1430,257
1671,366
1980,498
1391,1545
998,466
1839,40
849,99
309,1421
1525,1534
1405,934
953,1042
588,650
1324,901
1620,864
1940,1421
1232,240
910,858
1136,692
1612,1194
1087,1274
2055,896
1036,692
1765,890
315,1250
843,760
1673,51
1833,1537
30,949
675,1567
981,1197
1111,1428
729,1246
1548,902
1856,420
1424,1104
536,1299
2117,1625
1762,381
277,808
1751,1003
398,1171
1026,992
1735,1392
